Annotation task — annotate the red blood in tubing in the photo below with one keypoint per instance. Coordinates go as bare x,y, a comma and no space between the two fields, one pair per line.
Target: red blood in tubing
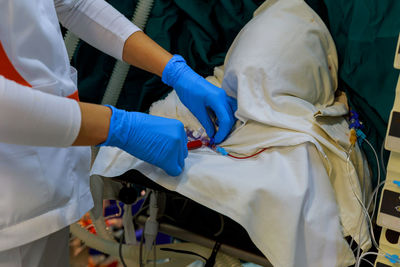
194,144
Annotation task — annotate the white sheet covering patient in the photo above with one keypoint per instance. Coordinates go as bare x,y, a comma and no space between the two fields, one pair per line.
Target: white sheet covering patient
295,199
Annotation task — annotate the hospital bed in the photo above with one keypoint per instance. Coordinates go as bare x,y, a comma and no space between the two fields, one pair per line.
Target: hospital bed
313,176
187,221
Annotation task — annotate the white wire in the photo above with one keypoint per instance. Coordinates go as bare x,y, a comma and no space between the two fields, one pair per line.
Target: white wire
366,254
352,185
379,174
368,206
364,209
368,261
358,199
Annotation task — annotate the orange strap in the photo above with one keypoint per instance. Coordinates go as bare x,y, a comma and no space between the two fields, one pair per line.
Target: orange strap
9,72
74,96
7,69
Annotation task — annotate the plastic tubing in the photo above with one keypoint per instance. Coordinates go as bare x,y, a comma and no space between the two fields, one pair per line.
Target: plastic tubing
121,68
224,260
99,243
71,42
100,226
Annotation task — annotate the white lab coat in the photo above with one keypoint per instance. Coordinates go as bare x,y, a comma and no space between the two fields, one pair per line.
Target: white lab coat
44,189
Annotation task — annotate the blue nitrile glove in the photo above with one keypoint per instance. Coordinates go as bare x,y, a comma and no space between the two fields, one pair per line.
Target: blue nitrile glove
156,140
199,96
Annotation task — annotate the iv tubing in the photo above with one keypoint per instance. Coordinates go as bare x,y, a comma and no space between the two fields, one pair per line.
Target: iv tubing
71,42
247,157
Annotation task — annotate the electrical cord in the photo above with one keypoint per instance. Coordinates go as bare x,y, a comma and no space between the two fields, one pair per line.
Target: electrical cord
373,199
364,210
211,260
120,249
141,248
370,263
183,252
358,199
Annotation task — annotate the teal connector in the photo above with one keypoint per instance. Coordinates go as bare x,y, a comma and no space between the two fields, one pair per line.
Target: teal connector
396,183
360,136
221,150
392,258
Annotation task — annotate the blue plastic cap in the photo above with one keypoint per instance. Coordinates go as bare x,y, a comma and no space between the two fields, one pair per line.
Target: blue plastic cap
354,114
397,183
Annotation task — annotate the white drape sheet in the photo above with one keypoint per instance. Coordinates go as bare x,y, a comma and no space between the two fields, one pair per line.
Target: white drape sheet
296,199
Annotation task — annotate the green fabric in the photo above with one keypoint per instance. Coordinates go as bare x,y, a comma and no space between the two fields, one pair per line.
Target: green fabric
365,33
199,30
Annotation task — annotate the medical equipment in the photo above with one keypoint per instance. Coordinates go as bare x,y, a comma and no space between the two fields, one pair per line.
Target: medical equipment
389,212
197,245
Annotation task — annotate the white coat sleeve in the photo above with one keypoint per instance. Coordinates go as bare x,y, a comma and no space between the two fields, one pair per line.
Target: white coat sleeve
97,23
31,117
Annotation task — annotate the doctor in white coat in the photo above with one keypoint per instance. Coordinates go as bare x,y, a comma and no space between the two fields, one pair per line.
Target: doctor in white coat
45,181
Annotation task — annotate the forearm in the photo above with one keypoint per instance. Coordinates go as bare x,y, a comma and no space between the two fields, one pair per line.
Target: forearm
95,124
142,52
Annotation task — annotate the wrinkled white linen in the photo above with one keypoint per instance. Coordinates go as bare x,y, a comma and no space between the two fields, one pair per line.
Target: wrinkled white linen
295,199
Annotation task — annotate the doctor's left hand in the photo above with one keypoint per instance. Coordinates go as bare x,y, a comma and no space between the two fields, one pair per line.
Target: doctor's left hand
198,95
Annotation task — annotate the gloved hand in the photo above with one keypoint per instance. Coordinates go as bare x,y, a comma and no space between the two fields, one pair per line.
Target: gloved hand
156,140
198,95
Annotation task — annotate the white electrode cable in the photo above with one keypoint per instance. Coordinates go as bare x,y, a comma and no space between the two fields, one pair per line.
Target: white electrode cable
366,254
374,198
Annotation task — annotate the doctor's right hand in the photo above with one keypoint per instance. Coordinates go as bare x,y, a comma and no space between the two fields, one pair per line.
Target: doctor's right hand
156,140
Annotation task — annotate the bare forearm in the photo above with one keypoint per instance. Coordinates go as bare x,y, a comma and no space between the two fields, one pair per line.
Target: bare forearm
95,124
142,52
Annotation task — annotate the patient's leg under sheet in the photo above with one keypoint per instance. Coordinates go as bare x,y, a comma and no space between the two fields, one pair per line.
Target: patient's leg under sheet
283,198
